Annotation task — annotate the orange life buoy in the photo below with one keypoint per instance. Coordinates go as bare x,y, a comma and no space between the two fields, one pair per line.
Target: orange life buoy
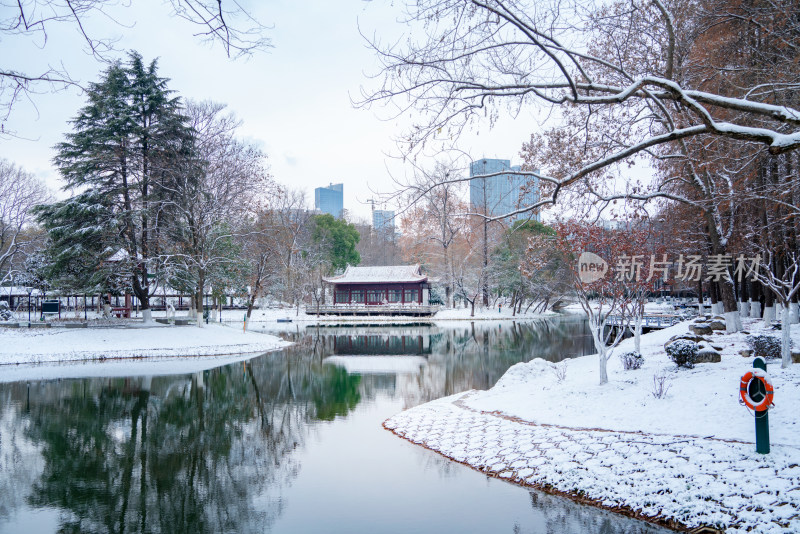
766,402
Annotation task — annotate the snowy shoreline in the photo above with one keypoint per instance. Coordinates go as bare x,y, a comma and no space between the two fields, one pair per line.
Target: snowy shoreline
147,348
685,460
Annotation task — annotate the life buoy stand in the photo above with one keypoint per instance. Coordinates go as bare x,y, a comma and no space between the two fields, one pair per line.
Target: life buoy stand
767,390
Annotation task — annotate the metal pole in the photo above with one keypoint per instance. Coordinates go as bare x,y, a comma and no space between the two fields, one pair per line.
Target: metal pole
762,418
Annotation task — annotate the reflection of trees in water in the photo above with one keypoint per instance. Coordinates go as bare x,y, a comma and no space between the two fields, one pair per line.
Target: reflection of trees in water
460,357
19,465
475,356
178,454
561,515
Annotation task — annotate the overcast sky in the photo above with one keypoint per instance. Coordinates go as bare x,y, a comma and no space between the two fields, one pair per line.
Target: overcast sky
294,100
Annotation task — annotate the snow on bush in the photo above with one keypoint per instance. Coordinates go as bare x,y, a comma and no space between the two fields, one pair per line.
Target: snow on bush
5,311
683,352
631,360
763,345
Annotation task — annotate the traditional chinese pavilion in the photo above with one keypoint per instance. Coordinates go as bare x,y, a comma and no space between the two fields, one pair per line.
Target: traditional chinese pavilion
390,290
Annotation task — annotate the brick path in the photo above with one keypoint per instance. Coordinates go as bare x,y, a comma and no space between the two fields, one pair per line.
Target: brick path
690,480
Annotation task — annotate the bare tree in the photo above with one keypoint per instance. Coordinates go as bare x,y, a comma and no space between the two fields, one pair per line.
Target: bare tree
211,197
627,79
223,22
437,219
20,191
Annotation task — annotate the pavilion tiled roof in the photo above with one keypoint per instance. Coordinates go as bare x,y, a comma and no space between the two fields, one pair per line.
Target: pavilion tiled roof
377,275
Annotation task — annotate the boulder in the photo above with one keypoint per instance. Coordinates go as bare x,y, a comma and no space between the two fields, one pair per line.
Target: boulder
746,353
699,329
717,325
795,357
688,337
708,355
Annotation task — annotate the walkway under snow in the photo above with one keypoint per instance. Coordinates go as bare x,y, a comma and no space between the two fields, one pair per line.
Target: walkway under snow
685,460
676,480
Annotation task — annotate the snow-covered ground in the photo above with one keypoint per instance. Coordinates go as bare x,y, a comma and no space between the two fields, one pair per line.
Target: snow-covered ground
688,457
129,340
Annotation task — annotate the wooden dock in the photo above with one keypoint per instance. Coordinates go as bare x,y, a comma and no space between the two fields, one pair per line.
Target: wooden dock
377,309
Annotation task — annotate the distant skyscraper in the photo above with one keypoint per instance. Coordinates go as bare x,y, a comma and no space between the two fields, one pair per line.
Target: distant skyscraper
330,199
503,193
383,220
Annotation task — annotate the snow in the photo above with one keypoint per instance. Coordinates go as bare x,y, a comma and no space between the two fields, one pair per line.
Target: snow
390,273
36,346
688,457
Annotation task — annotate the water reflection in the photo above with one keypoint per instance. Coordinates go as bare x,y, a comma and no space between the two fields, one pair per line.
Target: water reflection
231,449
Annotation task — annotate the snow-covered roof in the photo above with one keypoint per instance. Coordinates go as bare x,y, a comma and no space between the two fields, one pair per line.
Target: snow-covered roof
372,275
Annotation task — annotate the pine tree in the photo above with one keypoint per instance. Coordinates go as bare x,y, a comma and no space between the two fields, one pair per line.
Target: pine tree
124,149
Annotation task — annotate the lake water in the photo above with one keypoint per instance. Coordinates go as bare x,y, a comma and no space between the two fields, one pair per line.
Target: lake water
286,442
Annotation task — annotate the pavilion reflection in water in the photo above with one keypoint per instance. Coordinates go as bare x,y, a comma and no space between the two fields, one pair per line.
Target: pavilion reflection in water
382,344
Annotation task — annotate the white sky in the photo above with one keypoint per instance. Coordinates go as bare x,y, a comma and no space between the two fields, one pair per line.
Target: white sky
294,100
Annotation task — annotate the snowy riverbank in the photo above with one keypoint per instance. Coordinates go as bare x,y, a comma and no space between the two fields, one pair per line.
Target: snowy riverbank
686,460
128,340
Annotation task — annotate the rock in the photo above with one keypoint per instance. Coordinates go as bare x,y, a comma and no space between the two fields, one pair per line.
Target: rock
717,325
708,355
688,337
717,348
746,353
700,320
699,329
795,357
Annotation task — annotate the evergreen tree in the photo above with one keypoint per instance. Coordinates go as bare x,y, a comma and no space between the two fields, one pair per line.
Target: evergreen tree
338,239
122,155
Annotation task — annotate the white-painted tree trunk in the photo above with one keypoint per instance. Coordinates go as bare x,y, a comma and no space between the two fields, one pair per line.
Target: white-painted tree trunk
700,308
732,322
637,334
106,310
755,309
769,314
199,318
794,312
786,340
147,382
147,315
744,308
597,337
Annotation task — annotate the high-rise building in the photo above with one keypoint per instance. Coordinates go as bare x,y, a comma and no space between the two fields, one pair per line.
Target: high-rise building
503,193
383,220
330,199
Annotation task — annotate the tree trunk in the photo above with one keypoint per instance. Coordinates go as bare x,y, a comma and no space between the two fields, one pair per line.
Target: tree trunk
755,300
786,340
700,308
744,303
199,299
769,307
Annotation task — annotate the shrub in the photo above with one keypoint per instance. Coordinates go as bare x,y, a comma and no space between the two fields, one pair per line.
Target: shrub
5,311
683,352
768,347
631,360
660,386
